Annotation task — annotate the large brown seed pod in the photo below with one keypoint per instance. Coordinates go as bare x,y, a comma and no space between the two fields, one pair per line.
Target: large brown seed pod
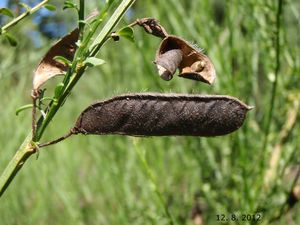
151,114
194,64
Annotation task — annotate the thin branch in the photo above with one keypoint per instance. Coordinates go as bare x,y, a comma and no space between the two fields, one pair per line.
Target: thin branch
276,72
81,18
113,21
22,16
56,140
34,96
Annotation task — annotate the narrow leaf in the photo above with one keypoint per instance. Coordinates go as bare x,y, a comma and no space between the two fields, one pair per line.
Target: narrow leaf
24,107
62,60
93,61
109,2
50,7
11,39
58,90
6,12
127,32
46,99
69,5
27,7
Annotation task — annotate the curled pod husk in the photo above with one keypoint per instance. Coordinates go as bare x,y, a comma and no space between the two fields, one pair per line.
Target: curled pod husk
152,114
168,62
194,65
49,67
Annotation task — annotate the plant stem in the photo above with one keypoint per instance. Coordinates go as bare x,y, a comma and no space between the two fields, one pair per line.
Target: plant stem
28,148
105,32
98,42
153,182
22,16
81,18
71,132
273,91
276,72
24,152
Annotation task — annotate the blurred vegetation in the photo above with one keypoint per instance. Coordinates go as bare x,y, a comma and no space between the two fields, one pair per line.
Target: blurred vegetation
120,180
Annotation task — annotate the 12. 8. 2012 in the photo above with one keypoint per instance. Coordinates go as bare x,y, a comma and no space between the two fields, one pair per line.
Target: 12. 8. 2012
239,217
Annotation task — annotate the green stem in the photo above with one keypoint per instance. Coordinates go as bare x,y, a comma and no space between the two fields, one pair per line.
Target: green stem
276,71
97,44
55,107
106,31
24,152
22,16
28,148
153,181
81,18
274,89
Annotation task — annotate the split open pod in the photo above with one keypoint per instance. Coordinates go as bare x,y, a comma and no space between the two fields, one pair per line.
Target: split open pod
175,53
49,67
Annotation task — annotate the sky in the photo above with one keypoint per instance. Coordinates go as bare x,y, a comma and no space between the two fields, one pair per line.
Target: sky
3,3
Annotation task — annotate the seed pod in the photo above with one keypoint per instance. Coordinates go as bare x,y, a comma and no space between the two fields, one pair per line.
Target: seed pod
168,63
152,114
49,67
151,26
194,65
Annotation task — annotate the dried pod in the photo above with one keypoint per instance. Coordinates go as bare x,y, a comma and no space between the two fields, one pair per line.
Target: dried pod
194,65
152,114
151,26
168,63
48,67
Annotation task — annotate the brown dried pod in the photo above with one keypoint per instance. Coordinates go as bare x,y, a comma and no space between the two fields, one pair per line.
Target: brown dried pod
48,67
151,114
151,26
168,62
194,65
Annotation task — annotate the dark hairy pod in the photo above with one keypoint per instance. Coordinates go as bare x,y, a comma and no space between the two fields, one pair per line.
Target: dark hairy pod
152,114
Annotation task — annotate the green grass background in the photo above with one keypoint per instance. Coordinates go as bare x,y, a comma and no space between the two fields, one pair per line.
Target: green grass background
127,180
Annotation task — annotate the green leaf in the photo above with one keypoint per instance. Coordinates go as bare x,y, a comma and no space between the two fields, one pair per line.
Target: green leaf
58,90
50,7
83,22
12,41
69,5
93,61
62,60
27,7
6,12
46,99
109,2
110,24
22,108
126,32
